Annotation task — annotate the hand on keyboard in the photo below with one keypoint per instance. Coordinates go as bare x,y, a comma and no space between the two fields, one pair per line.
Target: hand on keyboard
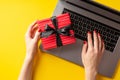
92,52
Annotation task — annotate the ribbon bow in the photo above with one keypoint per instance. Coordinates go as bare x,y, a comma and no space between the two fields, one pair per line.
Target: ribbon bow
49,31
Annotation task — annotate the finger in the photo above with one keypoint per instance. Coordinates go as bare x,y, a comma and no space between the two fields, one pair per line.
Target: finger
89,37
95,37
37,35
30,28
35,28
103,46
100,42
84,48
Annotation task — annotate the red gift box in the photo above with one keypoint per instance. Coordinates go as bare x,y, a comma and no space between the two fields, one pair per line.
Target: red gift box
56,31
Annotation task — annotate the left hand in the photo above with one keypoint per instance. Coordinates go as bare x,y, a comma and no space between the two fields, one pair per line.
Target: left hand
32,37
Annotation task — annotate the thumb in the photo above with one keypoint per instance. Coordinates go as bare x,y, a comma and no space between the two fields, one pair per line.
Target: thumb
84,48
37,35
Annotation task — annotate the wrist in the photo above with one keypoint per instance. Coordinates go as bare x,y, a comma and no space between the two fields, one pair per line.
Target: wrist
91,74
29,58
94,72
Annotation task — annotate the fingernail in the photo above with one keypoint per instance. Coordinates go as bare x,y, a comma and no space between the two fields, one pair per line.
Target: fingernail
37,20
95,31
98,34
84,42
39,30
89,32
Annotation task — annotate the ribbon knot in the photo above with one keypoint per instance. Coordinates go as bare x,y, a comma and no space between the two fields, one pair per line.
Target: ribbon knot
63,31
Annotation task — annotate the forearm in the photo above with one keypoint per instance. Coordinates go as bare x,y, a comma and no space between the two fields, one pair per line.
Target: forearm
32,38
90,74
26,72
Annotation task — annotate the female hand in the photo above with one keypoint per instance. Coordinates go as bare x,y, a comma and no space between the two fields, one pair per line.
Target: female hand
92,52
32,37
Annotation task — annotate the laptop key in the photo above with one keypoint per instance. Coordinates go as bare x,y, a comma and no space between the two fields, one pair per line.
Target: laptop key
113,41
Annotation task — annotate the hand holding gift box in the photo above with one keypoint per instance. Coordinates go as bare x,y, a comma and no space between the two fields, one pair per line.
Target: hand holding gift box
56,31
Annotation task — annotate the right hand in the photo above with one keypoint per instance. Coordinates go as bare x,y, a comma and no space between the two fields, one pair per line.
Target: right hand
92,52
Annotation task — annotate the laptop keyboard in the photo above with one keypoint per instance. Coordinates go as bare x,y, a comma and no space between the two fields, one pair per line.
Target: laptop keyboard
81,25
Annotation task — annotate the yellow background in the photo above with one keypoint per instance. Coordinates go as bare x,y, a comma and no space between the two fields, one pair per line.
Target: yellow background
15,16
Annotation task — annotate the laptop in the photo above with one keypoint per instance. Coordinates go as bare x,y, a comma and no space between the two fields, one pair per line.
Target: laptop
86,16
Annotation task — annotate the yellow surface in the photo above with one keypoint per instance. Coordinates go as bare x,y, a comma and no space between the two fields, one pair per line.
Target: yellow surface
15,16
